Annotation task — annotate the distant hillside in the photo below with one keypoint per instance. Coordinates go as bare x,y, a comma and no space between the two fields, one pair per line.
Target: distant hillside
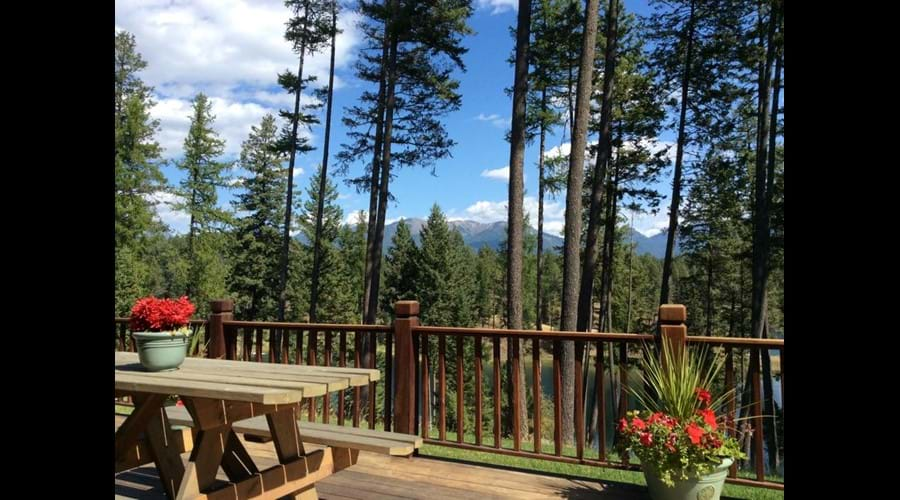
493,234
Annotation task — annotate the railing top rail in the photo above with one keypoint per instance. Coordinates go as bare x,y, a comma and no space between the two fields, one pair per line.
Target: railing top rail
736,341
546,334
309,326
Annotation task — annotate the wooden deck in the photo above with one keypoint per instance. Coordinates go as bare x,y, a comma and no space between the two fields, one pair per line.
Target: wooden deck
383,477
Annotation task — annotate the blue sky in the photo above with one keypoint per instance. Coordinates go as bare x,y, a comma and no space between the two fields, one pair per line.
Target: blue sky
232,50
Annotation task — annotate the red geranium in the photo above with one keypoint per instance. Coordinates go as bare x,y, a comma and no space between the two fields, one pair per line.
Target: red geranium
150,314
703,395
694,432
709,417
646,438
638,424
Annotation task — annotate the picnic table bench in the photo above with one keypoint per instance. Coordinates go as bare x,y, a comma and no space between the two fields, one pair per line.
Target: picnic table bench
222,398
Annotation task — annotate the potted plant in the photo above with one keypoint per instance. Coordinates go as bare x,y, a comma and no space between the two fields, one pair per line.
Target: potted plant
678,437
160,328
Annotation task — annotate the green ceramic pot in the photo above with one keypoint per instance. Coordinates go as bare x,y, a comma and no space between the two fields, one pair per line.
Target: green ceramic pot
161,351
708,487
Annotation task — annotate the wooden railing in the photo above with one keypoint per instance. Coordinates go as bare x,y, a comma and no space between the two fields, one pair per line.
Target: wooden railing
413,360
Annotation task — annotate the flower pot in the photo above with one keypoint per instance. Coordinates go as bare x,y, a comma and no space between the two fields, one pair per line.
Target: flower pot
708,487
161,351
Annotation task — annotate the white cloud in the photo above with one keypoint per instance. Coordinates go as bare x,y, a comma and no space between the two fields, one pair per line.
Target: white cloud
493,211
233,120
223,41
499,6
501,173
177,220
494,119
232,50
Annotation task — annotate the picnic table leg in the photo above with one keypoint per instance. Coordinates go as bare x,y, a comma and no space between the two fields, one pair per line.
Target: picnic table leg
160,437
289,446
217,444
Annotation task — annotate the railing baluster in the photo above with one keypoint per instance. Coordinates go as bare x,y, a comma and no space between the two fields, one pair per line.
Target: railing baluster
757,415
729,416
623,385
460,408
272,342
326,400
426,389
286,345
579,400
516,402
248,344
312,353
388,379
536,391
373,393
496,391
478,403
122,331
357,344
601,402
557,400
259,344
342,361
442,391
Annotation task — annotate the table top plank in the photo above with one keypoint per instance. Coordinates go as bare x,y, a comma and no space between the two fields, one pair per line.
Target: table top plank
308,388
151,383
353,376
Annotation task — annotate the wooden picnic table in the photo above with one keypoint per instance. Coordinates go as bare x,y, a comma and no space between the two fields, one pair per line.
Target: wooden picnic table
217,393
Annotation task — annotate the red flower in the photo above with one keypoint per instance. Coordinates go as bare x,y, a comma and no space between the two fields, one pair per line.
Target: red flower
179,403
646,438
150,314
656,417
709,417
623,425
638,424
703,395
670,442
694,432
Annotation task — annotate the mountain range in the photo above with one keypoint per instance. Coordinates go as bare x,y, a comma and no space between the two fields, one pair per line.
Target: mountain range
493,234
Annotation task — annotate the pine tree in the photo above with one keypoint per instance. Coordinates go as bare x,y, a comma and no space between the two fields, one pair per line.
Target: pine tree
308,30
204,174
401,280
317,247
571,255
258,233
335,293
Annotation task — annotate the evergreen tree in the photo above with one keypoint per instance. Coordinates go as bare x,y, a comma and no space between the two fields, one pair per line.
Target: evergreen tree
258,233
204,174
335,293
401,280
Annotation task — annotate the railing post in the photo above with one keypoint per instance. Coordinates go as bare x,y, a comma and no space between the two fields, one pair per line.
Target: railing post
222,310
406,317
671,326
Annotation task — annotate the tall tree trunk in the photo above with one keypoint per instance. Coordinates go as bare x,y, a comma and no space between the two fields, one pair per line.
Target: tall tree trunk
374,183
191,286
585,297
571,257
709,278
515,219
609,237
768,411
760,269
540,229
323,178
630,274
282,278
679,158
383,188
769,406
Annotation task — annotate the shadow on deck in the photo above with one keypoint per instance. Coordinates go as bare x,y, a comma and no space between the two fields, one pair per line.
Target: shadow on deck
383,477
